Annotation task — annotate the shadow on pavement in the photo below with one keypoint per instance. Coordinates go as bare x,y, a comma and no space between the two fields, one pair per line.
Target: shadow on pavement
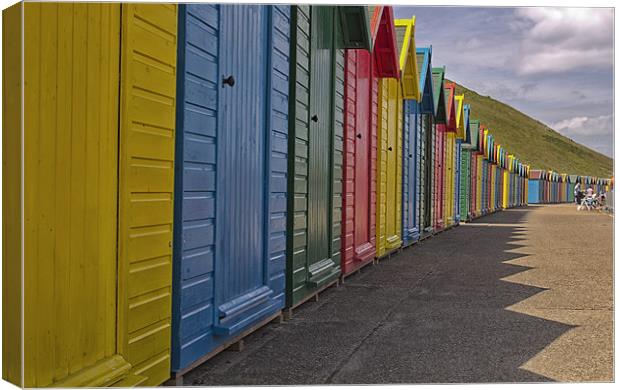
434,313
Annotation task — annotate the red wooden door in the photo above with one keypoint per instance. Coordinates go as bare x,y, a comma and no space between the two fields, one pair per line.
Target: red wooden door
359,187
363,136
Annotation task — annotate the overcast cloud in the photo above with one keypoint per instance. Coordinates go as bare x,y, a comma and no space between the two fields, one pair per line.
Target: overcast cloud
554,64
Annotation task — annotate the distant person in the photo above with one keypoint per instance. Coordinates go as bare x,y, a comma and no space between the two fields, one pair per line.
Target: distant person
577,193
589,192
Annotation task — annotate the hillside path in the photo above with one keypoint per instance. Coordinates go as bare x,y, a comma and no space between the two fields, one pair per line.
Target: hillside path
521,295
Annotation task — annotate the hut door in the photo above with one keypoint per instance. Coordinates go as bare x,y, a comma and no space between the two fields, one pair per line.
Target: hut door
241,284
427,185
362,153
412,163
394,118
320,148
70,209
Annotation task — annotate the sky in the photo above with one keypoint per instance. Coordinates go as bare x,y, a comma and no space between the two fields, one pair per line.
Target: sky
553,64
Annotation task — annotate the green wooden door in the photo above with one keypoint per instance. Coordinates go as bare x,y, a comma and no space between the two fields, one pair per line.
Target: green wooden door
320,140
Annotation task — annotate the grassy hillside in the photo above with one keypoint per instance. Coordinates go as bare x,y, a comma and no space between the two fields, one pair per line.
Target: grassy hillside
533,141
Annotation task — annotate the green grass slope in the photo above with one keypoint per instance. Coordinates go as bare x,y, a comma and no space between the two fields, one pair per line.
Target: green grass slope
534,142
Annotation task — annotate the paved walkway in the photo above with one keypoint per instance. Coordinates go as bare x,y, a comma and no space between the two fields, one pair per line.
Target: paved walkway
521,295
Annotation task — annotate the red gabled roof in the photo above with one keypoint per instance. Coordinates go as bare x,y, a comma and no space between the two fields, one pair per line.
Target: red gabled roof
384,46
536,174
450,106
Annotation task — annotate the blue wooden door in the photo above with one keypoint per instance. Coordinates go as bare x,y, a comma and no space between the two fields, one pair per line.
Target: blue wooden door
409,166
241,291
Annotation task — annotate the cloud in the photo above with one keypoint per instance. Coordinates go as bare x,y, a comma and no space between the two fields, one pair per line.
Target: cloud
553,64
562,39
585,126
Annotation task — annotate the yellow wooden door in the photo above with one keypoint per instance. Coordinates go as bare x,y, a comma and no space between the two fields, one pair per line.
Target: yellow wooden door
98,196
389,178
70,195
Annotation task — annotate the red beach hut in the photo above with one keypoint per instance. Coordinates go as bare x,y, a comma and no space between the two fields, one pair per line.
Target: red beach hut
362,72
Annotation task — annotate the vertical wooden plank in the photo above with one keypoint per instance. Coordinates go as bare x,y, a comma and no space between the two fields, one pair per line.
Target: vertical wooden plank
32,60
12,40
62,180
77,211
92,110
108,141
45,208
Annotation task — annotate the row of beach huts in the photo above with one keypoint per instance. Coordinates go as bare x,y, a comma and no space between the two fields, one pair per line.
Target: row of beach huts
180,175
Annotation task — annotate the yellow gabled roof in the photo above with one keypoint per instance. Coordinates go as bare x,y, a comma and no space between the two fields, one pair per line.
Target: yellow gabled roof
460,116
410,75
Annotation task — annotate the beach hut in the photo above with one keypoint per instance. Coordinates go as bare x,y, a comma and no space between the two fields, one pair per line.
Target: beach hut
507,183
473,168
480,172
436,171
449,158
392,95
572,180
95,147
363,69
230,212
464,188
319,35
417,117
455,139
486,173
444,173
536,187
462,166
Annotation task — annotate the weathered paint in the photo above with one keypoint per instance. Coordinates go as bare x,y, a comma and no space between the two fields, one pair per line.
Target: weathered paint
230,213
11,193
363,70
98,192
315,144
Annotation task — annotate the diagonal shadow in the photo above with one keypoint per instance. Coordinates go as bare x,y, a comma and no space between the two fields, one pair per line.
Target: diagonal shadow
434,313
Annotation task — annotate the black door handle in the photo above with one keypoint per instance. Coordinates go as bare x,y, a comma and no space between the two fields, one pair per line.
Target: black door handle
315,118
359,135
230,80
410,155
390,148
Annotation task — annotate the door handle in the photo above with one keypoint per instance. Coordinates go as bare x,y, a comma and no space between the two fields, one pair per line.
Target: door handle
390,148
315,118
359,135
230,81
